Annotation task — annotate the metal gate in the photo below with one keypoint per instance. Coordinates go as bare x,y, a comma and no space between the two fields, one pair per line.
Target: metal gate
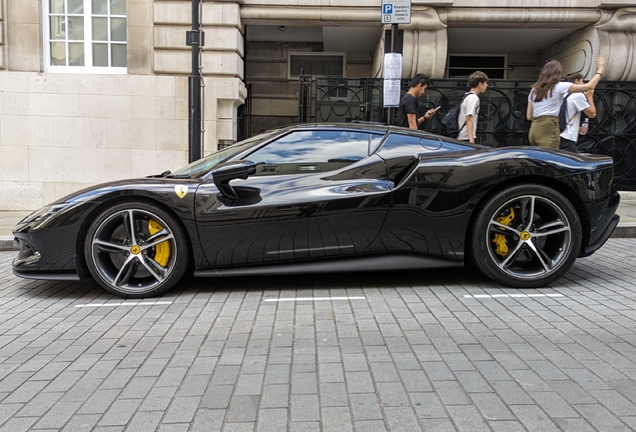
340,100
502,117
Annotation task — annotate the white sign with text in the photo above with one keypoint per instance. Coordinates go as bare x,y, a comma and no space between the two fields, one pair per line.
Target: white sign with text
396,11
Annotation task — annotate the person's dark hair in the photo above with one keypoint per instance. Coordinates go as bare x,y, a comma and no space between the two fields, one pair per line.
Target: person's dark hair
419,79
549,76
574,76
476,78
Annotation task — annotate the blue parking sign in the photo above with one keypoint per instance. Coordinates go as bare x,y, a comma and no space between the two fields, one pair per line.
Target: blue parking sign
396,11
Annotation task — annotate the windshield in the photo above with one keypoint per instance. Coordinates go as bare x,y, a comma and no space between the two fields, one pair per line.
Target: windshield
203,166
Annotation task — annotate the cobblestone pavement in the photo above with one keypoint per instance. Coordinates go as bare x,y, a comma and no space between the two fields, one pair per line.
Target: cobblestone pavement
399,351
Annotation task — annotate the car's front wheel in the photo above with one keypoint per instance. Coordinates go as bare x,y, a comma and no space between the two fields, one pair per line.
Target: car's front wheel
526,236
136,249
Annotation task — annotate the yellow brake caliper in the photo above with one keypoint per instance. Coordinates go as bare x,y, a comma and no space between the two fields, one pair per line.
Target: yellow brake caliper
501,247
162,250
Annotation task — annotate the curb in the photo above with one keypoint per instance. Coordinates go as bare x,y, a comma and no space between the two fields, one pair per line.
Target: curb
625,231
7,243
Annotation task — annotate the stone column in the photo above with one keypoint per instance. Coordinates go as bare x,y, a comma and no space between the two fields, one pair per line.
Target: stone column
23,30
425,45
139,39
614,37
3,28
222,61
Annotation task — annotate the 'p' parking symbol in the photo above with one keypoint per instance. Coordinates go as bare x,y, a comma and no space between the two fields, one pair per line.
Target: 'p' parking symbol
388,9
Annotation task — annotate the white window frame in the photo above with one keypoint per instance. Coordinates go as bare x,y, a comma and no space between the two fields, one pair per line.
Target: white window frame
291,54
505,67
88,44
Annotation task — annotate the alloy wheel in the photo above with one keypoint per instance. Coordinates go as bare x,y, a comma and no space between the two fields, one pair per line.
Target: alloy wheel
134,251
529,237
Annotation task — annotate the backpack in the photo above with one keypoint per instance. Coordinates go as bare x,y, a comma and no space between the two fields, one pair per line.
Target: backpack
450,122
563,113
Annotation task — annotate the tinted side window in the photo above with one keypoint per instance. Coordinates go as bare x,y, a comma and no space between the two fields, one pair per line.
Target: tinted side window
311,151
398,145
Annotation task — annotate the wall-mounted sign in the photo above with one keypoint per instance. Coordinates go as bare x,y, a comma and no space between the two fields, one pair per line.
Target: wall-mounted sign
396,11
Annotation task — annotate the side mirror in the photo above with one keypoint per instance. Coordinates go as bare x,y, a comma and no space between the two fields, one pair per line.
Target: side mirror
222,175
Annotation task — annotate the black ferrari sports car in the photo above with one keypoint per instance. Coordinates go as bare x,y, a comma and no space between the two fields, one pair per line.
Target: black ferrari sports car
330,198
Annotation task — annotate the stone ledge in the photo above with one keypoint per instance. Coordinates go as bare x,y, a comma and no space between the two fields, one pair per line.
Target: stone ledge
7,243
625,231
627,195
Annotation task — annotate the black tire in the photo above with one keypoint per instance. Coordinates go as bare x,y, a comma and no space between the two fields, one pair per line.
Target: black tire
143,264
526,236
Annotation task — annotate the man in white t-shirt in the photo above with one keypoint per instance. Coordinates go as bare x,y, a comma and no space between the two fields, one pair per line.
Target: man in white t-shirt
469,111
576,103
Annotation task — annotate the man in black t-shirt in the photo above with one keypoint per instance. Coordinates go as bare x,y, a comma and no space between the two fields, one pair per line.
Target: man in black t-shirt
407,115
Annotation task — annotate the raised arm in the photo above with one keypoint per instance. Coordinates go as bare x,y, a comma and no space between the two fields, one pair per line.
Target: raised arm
591,84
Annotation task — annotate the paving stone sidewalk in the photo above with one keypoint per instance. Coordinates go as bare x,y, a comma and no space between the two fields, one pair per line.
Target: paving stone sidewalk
406,351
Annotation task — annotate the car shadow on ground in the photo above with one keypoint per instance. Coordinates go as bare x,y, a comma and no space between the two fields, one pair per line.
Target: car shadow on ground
90,291
464,278
349,280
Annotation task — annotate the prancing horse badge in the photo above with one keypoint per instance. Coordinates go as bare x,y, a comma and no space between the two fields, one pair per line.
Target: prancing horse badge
181,190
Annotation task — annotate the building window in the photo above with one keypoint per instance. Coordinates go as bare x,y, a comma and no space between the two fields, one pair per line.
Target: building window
461,66
85,35
316,64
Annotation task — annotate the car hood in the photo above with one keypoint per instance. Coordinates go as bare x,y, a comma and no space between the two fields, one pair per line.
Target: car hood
94,193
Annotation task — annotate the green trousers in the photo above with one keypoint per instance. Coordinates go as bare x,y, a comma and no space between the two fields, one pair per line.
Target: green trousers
544,132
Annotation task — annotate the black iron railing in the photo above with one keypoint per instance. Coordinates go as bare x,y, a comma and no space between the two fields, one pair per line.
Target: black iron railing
340,99
502,117
244,116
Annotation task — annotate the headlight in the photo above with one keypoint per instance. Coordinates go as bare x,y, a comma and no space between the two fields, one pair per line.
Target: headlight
44,213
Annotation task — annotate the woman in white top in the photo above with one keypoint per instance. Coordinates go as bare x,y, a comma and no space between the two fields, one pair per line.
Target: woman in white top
546,97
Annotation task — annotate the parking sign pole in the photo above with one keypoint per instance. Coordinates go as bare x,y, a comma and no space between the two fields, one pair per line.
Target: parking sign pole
394,12
394,32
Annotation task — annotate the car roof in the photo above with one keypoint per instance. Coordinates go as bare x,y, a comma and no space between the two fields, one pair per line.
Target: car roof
360,126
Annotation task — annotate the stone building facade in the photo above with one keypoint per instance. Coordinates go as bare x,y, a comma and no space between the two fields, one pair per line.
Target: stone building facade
96,90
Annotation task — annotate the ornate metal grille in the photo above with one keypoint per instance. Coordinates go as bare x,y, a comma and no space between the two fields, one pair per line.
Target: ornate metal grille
502,117
341,99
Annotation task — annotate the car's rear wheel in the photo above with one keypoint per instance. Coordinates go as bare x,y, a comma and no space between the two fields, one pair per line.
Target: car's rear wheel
136,249
526,236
